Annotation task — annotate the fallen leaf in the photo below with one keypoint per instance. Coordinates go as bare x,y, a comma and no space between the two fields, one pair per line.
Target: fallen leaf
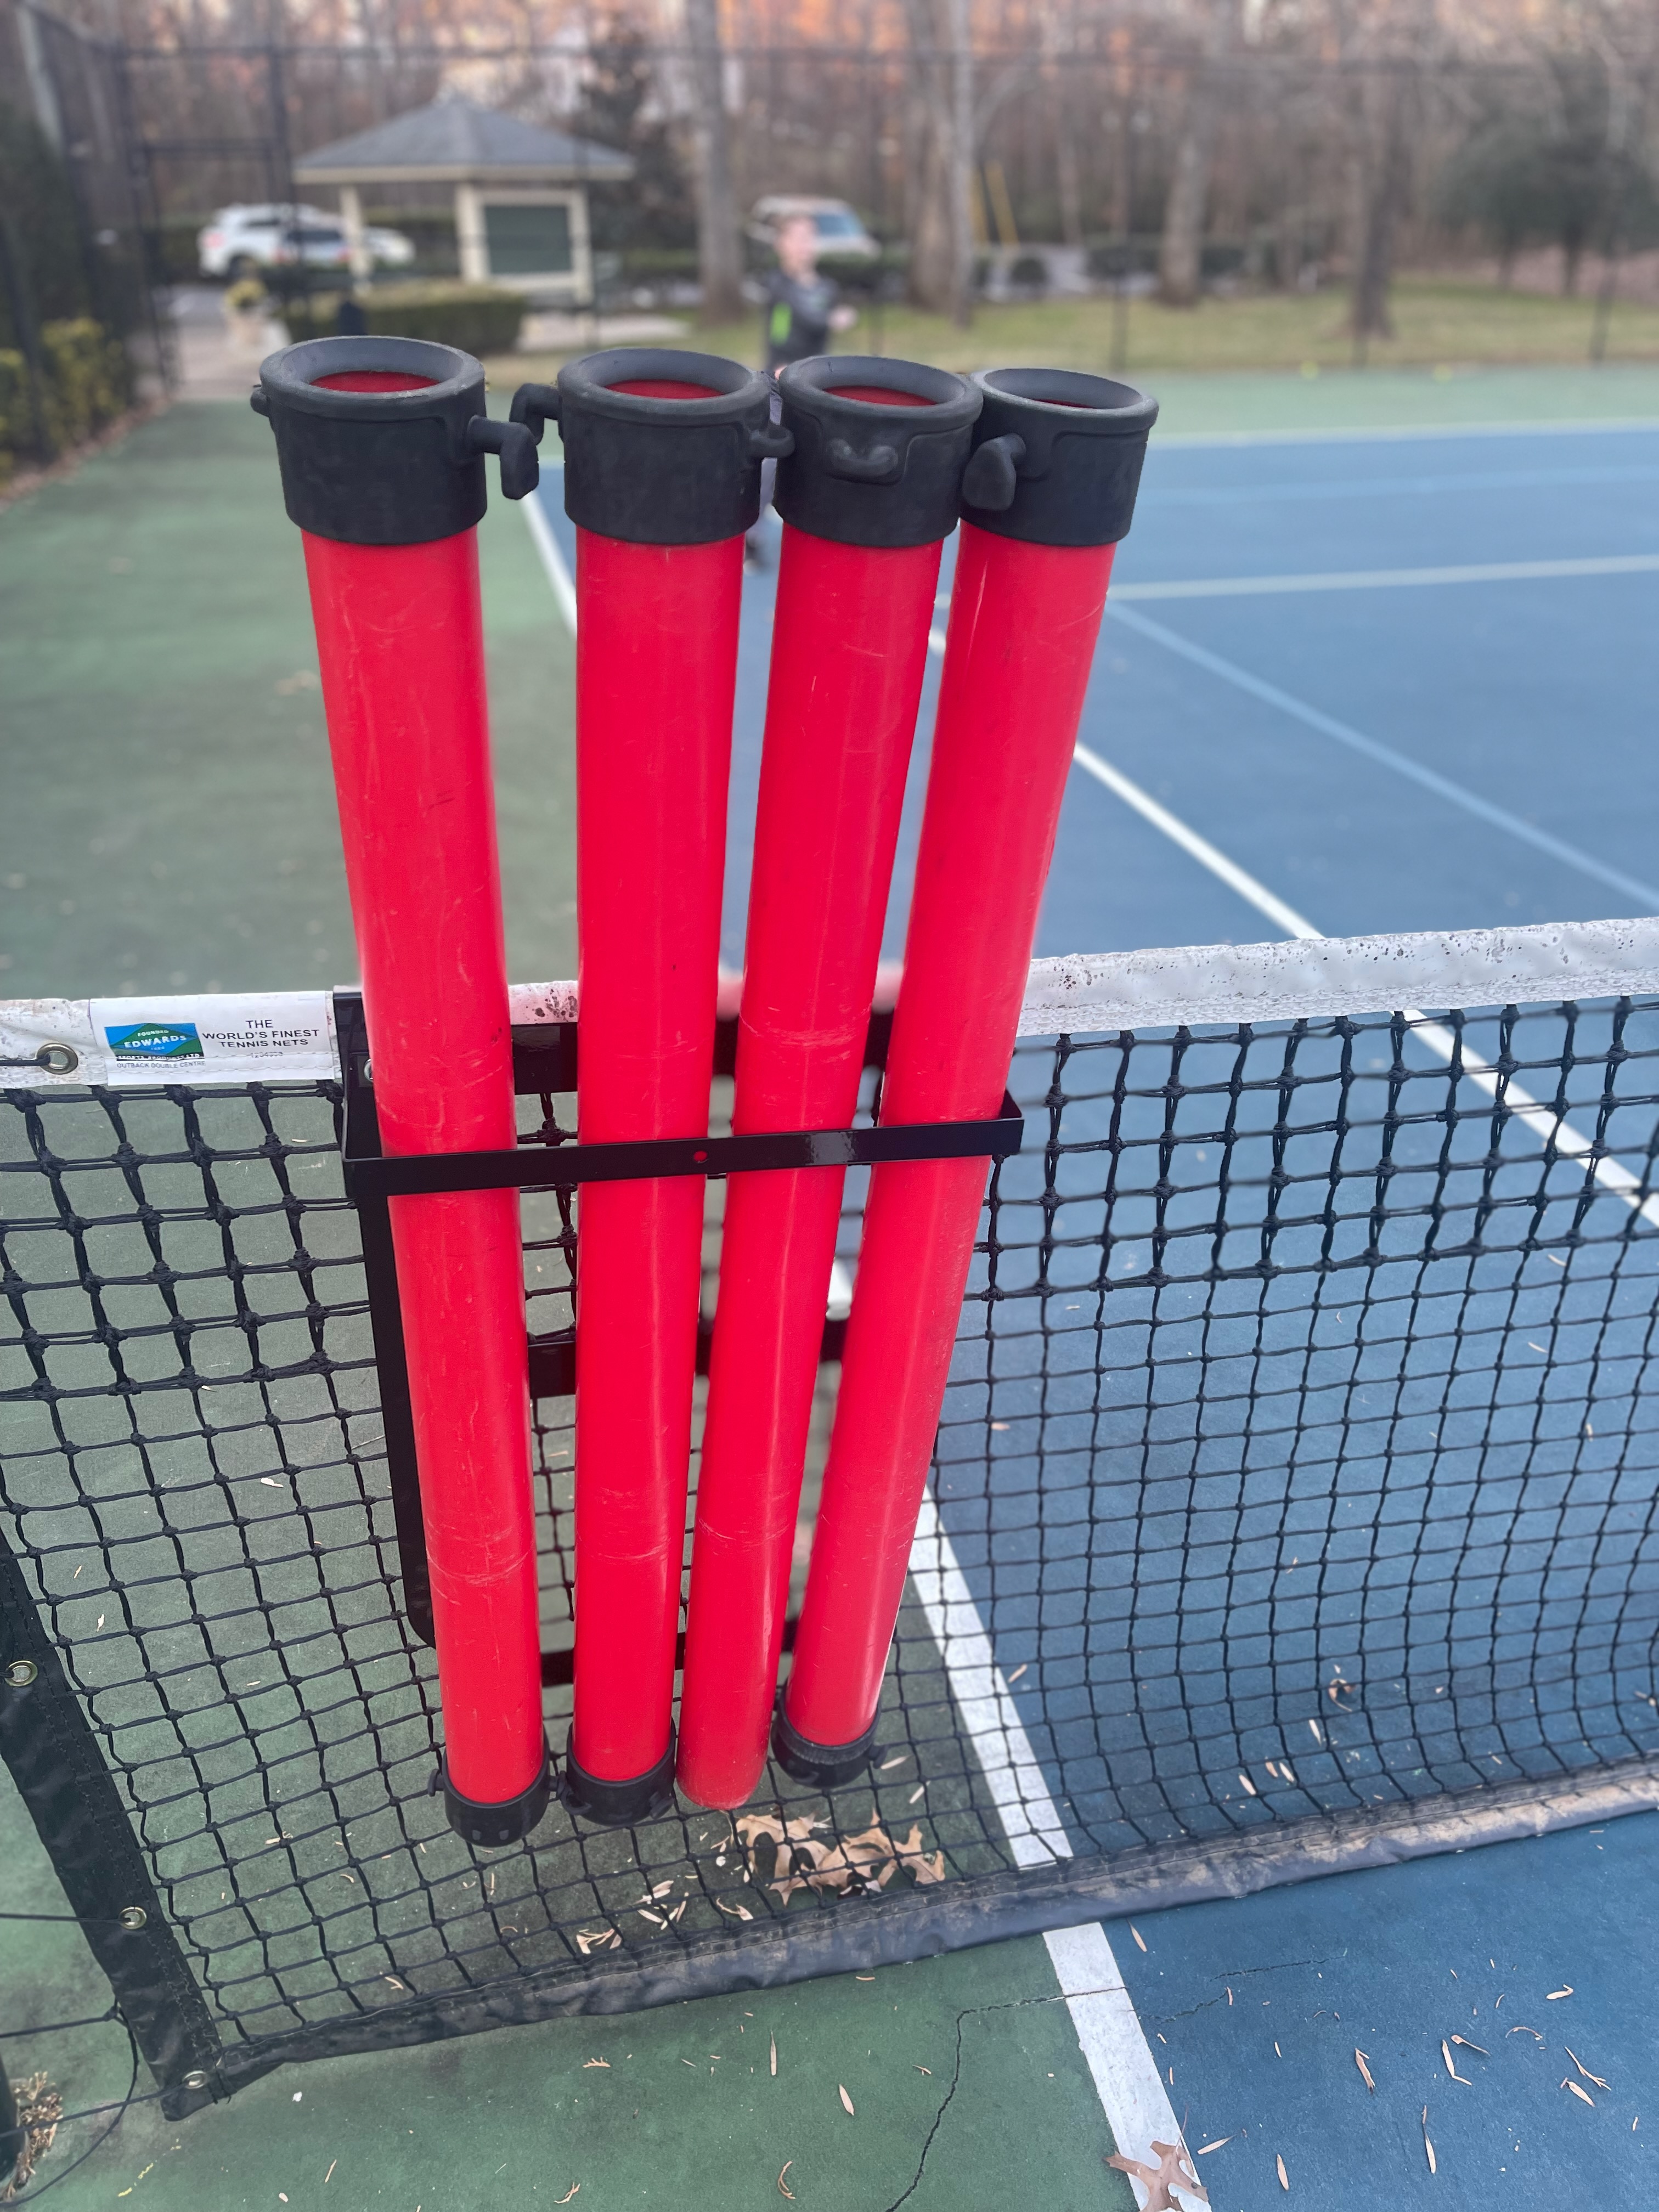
1248,1784
1172,2171
1204,2150
1360,2061
1284,2178
1583,2095
1467,2045
586,2063
782,2185
1141,1940
597,1939
1446,2054
847,2102
329,2176
1019,1670
887,1765
1584,2069
566,2198
1523,2030
1565,1990
924,2069
655,1918
774,2041
740,1911
1427,2146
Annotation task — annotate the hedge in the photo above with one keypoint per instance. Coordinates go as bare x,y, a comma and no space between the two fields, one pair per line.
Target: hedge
479,319
88,383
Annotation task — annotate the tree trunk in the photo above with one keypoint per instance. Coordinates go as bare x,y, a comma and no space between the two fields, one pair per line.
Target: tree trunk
1181,251
1384,186
1068,179
941,218
720,264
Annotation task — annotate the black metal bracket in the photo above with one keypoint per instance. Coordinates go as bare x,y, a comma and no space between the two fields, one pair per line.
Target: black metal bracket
545,1062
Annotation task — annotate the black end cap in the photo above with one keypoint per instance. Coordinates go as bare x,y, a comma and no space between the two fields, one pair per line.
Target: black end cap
618,1804
676,463
377,468
874,471
826,1766
1057,456
494,1828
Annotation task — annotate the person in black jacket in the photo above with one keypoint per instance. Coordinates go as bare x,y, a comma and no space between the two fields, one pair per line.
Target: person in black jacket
802,309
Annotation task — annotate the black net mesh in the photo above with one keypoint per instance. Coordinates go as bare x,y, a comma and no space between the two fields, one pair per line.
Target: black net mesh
1298,1454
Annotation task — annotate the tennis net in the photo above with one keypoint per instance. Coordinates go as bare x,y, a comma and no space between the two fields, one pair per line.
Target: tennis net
1293,1503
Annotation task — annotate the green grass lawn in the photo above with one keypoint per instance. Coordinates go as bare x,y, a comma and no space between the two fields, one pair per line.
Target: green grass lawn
1438,323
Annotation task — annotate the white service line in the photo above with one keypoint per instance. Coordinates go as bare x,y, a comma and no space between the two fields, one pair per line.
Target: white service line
1131,2090
541,530
1545,1123
1385,579
1326,726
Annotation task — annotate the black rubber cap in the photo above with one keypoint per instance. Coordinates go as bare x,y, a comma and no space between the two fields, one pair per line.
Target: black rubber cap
657,468
619,1804
1057,456
493,1828
387,467
873,471
826,1766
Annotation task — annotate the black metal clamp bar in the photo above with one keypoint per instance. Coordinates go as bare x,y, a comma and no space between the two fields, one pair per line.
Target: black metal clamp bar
544,1060
534,1167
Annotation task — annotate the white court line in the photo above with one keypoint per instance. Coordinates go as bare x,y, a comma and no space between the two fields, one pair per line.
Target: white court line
1545,1124
1114,2044
541,532
1372,749
1382,580
1395,433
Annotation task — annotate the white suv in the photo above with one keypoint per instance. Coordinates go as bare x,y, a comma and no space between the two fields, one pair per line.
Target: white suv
237,241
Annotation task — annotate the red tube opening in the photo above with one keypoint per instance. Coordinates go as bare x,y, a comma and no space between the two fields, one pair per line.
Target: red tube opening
879,395
373,379
662,388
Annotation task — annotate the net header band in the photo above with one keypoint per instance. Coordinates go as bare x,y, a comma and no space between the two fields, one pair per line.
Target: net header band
289,1036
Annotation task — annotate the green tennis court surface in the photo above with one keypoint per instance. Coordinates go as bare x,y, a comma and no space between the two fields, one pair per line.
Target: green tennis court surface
171,824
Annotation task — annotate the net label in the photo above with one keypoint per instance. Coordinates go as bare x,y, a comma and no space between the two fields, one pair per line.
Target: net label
242,1037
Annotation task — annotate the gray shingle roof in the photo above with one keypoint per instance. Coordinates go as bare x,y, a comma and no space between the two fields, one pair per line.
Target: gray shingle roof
457,138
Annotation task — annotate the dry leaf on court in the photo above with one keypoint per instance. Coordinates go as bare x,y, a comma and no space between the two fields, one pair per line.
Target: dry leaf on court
1565,1990
1467,2045
1583,2095
1451,2069
1204,2150
1284,2178
774,2041
1584,2069
783,2187
1428,2147
1359,2060
597,1939
586,2063
1173,2170
847,2102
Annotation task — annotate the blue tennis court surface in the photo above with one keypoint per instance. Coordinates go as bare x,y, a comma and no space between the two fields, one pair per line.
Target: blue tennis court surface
1352,685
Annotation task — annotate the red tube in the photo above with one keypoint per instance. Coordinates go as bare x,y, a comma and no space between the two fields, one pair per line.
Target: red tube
1024,620
656,672
849,652
399,638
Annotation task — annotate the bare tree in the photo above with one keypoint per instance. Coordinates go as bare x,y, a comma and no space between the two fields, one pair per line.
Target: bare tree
720,263
1181,252
942,134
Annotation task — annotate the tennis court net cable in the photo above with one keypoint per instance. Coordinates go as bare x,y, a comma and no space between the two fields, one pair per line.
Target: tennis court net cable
1293,1502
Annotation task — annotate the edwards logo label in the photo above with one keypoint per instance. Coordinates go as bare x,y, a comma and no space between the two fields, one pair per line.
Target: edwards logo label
154,1041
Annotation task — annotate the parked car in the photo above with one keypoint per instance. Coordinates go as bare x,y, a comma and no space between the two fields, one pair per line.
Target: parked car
840,231
240,241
